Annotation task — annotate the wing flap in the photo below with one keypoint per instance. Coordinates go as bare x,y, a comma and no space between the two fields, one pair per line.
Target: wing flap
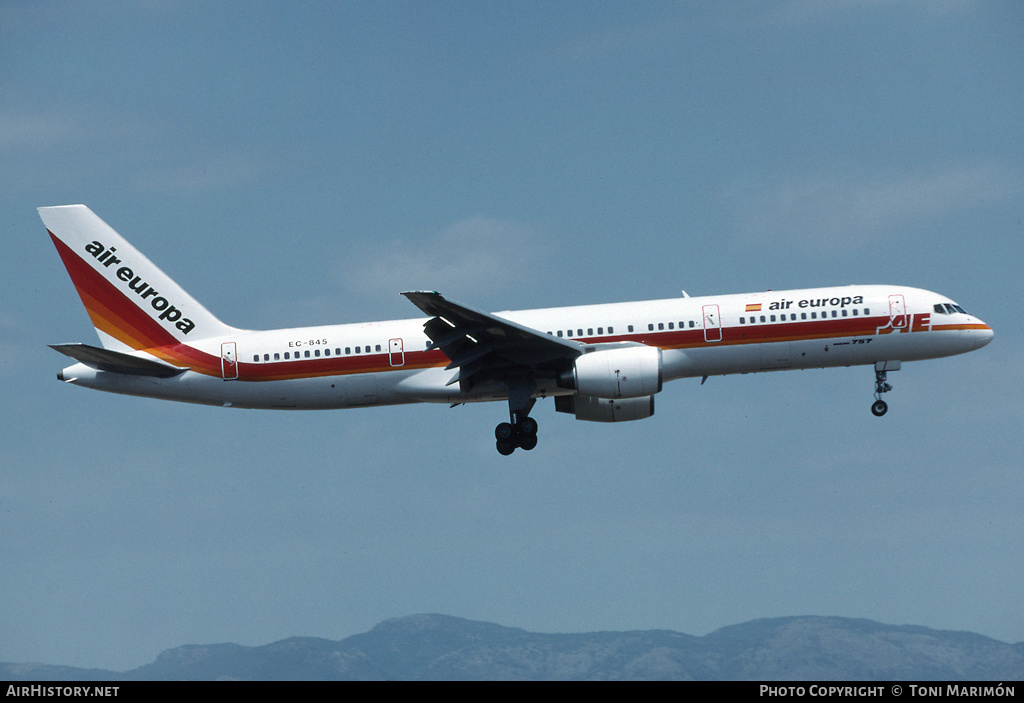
117,362
487,347
465,321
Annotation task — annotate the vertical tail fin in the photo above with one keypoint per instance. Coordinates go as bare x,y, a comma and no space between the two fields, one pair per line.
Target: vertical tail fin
132,303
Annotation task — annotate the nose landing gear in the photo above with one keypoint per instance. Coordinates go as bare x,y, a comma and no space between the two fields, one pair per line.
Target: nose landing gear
880,407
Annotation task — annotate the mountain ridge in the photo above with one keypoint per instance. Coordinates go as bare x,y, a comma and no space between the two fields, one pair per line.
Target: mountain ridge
444,647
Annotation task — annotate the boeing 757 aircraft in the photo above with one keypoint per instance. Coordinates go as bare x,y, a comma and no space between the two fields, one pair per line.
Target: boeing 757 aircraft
603,363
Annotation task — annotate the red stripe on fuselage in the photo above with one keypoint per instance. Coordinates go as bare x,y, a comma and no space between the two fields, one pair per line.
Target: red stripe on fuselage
667,339
338,366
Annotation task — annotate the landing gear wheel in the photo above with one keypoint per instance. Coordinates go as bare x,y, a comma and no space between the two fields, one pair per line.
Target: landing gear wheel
504,432
522,430
879,407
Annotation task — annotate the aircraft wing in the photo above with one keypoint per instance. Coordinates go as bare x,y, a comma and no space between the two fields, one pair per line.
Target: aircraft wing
487,347
117,362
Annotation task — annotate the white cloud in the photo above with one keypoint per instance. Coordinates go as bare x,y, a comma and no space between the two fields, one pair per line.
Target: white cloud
56,128
23,129
484,262
858,210
205,173
628,37
475,254
798,12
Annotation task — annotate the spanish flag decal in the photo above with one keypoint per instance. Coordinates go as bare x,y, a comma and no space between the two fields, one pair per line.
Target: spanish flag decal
753,307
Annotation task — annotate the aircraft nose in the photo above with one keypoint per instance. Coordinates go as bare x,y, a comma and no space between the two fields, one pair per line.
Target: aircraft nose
983,335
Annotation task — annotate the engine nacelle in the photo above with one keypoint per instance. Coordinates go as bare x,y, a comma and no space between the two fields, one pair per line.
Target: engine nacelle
625,372
605,409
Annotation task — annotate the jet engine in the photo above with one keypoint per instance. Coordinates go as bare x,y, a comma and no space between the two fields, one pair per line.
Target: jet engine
623,372
605,409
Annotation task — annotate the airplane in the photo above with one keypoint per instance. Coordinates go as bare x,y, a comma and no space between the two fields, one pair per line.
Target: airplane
600,363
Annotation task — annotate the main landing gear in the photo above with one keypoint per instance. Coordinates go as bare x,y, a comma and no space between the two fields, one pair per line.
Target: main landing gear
522,434
880,407
522,430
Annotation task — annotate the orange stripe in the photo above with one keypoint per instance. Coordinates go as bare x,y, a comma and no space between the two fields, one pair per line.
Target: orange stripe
971,326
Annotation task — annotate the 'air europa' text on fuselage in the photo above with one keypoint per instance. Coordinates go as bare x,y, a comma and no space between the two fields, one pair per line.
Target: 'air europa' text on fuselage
836,302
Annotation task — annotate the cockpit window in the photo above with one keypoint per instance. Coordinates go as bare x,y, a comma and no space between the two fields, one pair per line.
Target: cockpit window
948,309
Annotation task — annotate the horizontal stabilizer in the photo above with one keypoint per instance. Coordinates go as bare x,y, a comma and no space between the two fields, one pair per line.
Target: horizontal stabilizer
117,362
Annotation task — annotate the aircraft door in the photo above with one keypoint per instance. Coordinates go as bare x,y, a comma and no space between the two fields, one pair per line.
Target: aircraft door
229,361
712,324
397,352
897,312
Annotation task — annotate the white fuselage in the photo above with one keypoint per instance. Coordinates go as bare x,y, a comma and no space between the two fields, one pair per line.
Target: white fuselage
391,362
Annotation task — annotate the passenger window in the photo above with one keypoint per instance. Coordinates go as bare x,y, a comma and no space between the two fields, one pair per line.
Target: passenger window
844,312
357,350
277,356
348,350
590,331
803,316
316,352
630,328
579,333
650,327
661,325
600,330
559,333
307,353
256,357
743,321
287,356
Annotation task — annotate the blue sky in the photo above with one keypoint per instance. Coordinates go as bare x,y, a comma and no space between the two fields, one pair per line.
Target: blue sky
302,163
